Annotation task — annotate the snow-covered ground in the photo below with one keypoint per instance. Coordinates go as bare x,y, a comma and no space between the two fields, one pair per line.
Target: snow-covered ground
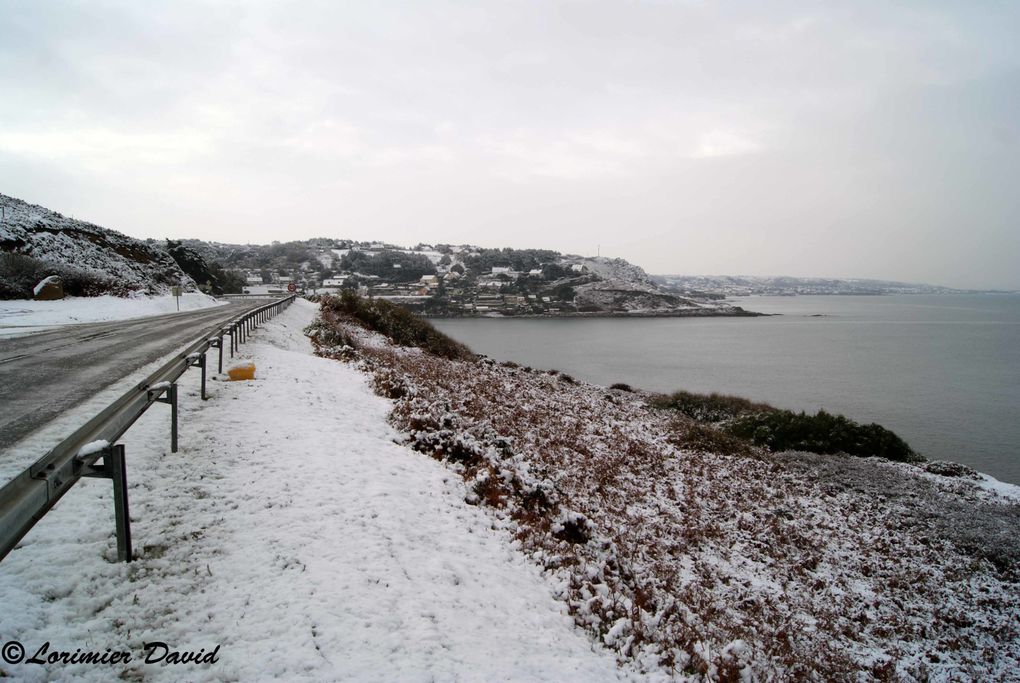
294,533
22,316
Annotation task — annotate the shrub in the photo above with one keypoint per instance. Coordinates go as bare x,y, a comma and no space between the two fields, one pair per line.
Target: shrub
19,274
709,407
780,430
620,386
783,430
397,323
951,469
693,436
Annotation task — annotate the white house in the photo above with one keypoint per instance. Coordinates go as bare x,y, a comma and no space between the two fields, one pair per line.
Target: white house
501,270
334,281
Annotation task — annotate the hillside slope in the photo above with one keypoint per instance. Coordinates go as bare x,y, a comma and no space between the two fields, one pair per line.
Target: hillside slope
114,262
706,565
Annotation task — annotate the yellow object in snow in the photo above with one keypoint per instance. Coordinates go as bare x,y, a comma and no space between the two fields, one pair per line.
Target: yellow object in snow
241,371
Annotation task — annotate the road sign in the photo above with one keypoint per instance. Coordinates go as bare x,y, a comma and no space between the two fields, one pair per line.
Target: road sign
291,287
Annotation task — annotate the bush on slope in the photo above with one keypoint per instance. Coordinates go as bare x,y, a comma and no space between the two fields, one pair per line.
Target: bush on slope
395,322
783,430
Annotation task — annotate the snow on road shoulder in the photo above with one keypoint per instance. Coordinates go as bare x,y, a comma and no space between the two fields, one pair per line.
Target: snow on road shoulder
23,316
295,534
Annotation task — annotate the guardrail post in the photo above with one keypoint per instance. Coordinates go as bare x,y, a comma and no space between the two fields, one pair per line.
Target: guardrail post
201,364
169,395
217,343
173,417
118,472
114,467
198,359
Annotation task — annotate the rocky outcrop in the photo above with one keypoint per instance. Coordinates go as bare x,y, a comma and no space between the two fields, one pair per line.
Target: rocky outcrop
121,263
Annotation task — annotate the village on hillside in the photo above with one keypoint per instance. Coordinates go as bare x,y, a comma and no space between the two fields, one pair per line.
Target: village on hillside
449,280
433,279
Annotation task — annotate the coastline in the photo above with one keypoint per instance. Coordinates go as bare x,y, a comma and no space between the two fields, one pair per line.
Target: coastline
735,312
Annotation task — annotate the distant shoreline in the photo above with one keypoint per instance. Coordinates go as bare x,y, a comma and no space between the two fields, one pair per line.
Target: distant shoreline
735,312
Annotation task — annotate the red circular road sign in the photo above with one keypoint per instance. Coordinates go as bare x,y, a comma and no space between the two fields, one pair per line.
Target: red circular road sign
291,287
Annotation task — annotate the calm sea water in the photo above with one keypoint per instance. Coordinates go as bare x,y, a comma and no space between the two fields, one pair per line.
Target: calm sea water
941,371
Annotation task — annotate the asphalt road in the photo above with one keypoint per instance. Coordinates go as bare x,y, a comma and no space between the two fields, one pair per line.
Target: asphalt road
47,373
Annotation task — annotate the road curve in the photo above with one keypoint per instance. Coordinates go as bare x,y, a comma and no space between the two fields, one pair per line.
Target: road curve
47,373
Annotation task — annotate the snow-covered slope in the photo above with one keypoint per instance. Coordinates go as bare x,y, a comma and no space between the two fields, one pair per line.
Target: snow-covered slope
47,235
292,532
746,566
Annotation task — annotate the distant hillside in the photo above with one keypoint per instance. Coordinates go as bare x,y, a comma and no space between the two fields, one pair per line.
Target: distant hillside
461,280
92,260
740,285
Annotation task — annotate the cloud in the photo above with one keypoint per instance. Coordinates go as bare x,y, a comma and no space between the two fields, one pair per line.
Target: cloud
103,149
724,143
554,121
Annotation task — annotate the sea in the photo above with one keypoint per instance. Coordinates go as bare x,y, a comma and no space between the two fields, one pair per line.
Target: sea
942,371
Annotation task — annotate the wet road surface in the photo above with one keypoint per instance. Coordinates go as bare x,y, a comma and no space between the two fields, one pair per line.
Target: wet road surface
45,374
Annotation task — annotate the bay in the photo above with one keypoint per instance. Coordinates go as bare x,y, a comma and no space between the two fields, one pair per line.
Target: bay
942,371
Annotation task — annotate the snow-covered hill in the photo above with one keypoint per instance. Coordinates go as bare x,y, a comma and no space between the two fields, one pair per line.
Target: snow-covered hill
123,264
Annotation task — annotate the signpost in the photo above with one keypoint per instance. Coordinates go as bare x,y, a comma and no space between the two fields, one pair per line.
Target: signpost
176,291
291,287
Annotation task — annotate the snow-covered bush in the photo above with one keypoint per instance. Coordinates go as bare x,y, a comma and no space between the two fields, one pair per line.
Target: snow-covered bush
784,430
395,322
19,274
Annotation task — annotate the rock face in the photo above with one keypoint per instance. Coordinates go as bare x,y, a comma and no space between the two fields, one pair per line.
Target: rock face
622,296
622,287
195,265
120,263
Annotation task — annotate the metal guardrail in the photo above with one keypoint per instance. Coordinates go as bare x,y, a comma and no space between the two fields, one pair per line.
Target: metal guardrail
29,496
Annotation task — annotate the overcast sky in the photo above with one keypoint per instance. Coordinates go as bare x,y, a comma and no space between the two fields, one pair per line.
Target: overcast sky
850,139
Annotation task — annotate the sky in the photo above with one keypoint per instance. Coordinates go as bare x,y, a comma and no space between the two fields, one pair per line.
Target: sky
852,139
